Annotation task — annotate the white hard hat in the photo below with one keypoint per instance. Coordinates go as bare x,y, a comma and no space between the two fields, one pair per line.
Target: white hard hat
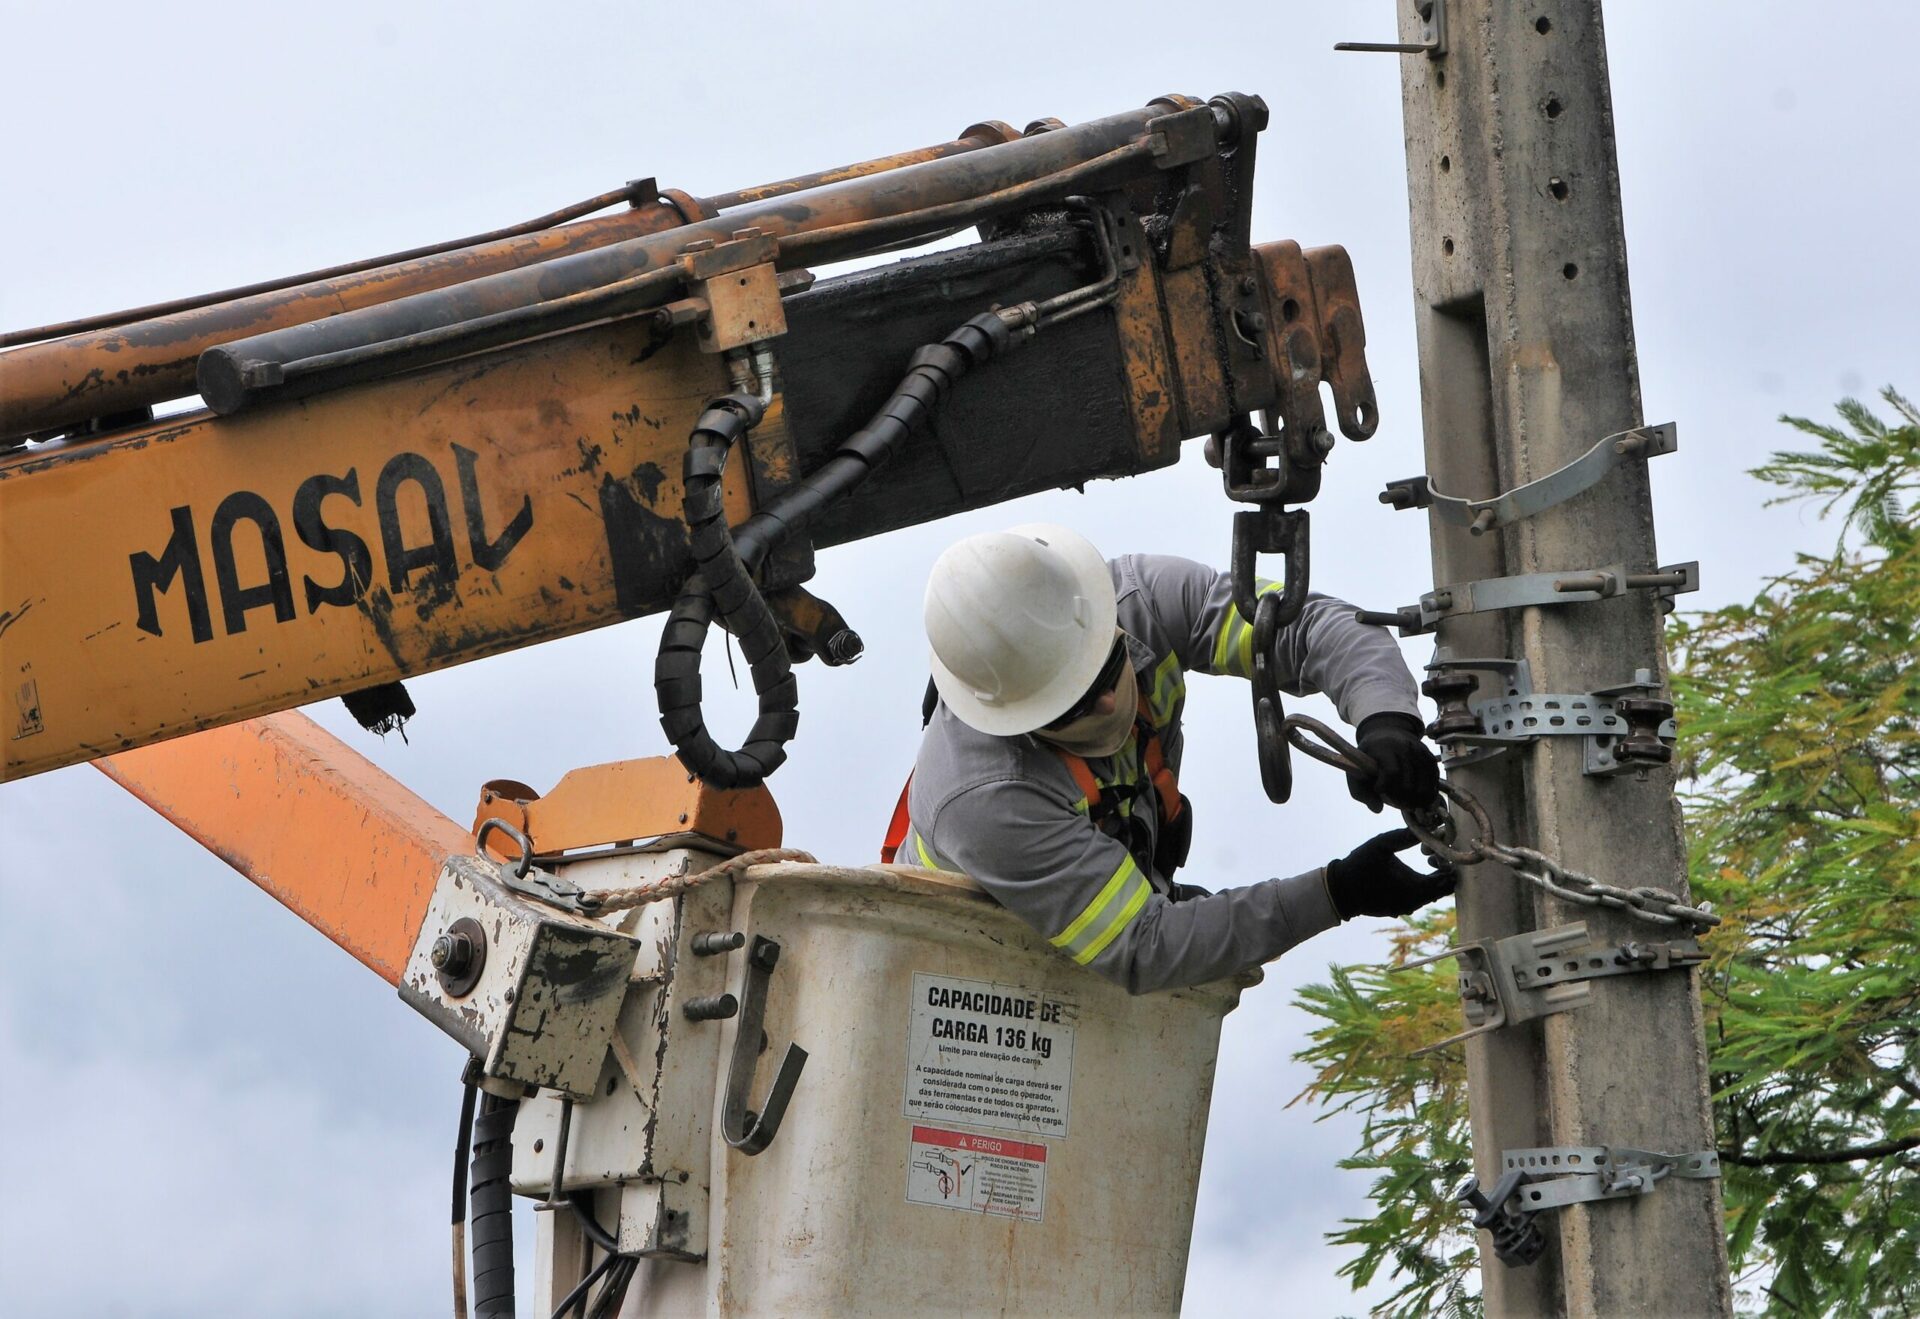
1020,622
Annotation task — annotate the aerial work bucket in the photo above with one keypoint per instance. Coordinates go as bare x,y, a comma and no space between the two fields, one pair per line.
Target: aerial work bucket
873,1091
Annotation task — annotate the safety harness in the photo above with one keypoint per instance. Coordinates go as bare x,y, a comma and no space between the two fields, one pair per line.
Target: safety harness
1104,802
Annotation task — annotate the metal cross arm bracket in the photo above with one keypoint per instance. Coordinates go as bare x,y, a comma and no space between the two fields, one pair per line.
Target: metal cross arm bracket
1531,590
1541,972
1627,727
1552,1177
1583,473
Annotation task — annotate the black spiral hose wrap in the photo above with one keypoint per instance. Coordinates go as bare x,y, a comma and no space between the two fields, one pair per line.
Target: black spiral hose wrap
722,582
490,1225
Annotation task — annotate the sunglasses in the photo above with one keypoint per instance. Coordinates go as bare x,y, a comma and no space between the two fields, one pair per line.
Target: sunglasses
1103,682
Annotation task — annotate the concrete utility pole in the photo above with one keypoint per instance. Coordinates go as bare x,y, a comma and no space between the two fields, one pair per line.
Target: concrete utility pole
1526,361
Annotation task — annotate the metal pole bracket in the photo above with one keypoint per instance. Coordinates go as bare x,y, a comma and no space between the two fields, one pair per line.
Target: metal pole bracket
1541,972
1530,590
1552,1177
1627,727
1480,516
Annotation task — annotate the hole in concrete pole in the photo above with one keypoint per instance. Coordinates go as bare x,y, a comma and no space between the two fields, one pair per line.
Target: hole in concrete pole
1289,309
1446,163
1542,26
1559,189
1553,107
1446,246
1439,77
1570,270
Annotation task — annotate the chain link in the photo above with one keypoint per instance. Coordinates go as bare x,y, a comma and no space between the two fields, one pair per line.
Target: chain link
1437,828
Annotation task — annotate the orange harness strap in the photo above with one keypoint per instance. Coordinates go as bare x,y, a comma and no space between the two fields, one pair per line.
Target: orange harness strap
898,826
1166,788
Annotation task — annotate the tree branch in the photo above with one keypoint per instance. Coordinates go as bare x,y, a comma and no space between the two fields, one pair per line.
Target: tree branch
1847,1155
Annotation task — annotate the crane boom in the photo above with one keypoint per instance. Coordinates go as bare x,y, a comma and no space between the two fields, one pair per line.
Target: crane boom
462,471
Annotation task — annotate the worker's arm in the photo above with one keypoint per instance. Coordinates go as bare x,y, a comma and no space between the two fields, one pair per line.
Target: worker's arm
1324,650
1046,863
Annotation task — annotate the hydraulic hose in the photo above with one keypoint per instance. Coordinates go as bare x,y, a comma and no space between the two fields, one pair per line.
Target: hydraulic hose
491,1221
722,583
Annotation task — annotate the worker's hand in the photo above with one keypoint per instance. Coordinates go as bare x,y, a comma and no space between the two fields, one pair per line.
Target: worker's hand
1372,881
1409,773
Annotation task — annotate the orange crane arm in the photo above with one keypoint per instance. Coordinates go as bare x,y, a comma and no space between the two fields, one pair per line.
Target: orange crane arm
345,846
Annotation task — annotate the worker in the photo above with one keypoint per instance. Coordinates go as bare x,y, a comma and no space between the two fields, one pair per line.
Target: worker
1048,767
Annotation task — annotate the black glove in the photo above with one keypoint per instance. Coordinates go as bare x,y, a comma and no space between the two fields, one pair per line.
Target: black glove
1372,881
1409,776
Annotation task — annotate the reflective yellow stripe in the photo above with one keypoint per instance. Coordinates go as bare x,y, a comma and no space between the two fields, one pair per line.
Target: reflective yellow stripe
1225,638
1119,923
921,848
1098,905
1243,635
1080,807
1168,687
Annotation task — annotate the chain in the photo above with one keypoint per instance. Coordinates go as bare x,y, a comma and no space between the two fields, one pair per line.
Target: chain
1437,829
602,901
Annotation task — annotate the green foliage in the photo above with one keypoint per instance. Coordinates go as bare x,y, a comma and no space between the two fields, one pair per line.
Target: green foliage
1415,1115
1801,725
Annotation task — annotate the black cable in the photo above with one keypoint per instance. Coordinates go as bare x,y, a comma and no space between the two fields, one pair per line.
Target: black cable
576,1298
722,583
580,1202
619,1277
461,1146
492,1207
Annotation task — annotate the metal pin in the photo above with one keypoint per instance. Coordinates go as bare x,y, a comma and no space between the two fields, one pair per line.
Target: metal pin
713,1007
712,943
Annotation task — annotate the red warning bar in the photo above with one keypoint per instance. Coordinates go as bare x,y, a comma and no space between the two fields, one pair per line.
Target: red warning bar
960,1140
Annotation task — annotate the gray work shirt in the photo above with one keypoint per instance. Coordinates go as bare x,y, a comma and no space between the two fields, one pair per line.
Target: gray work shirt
1006,810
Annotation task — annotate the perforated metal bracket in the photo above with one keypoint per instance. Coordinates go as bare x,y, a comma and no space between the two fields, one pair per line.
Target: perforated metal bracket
1627,727
1583,473
1533,1181
1531,590
1541,972
1492,992
1560,1175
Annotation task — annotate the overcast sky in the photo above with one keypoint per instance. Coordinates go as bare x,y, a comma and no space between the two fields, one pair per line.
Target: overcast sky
209,1109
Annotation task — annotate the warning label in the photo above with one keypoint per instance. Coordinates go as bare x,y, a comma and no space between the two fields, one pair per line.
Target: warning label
989,1055
977,1174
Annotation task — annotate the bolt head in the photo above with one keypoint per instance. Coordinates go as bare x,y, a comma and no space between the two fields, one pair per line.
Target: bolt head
451,954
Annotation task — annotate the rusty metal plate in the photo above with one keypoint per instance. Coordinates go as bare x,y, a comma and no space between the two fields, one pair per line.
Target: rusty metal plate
743,307
203,570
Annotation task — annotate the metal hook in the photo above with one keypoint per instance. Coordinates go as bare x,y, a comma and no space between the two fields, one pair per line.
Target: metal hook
745,1130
